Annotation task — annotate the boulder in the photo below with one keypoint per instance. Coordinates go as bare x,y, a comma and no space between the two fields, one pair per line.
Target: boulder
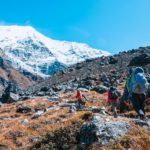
38,114
100,89
50,92
44,89
42,93
112,60
142,59
13,97
9,95
57,88
106,84
83,89
24,109
98,129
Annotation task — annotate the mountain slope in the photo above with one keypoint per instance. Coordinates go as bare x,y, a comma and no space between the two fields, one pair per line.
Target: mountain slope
105,71
29,50
9,74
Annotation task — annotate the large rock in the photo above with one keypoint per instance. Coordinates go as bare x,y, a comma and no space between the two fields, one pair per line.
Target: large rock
10,95
38,114
42,93
83,89
142,59
13,97
100,89
101,130
112,60
24,109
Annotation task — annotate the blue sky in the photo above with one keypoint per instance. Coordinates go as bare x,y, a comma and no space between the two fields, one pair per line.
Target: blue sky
112,25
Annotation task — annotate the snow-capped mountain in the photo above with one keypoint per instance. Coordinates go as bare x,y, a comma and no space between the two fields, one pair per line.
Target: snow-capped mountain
30,51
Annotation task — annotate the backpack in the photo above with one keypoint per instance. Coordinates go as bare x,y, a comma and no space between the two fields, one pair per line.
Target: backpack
140,85
113,93
79,95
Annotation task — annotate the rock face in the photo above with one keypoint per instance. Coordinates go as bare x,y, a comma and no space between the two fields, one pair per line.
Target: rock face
102,130
18,81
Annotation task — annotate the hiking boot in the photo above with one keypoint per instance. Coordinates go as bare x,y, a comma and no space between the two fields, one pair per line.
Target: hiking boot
143,117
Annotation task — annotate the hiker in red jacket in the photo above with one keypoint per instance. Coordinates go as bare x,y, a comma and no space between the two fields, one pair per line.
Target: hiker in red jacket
113,99
80,100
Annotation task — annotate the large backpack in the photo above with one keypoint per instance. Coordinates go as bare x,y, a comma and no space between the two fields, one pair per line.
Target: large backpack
140,84
113,93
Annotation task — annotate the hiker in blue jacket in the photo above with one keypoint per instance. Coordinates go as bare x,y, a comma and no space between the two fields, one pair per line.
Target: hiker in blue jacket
138,87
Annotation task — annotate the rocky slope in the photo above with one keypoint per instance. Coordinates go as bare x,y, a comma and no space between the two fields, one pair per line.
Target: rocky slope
94,72
49,120
42,123
10,75
30,51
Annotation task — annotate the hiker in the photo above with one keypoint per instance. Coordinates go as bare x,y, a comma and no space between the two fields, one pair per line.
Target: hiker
80,100
124,99
138,87
113,99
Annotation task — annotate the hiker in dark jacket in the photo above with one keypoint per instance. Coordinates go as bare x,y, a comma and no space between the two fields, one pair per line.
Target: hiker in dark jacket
113,99
138,87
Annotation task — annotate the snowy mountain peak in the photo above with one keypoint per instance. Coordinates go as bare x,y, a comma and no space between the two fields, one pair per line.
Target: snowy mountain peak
16,31
29,50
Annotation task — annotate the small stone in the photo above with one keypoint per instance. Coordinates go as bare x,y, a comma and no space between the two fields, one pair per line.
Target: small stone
25,122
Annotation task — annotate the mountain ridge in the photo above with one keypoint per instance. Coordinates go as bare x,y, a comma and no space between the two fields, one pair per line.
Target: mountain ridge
29,50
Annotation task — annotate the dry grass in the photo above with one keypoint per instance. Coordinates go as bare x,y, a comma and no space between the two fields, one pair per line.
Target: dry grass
16,136
63,136
137,139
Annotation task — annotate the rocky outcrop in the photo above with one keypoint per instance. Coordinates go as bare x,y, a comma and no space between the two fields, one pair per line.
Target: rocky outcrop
142,59
103,130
